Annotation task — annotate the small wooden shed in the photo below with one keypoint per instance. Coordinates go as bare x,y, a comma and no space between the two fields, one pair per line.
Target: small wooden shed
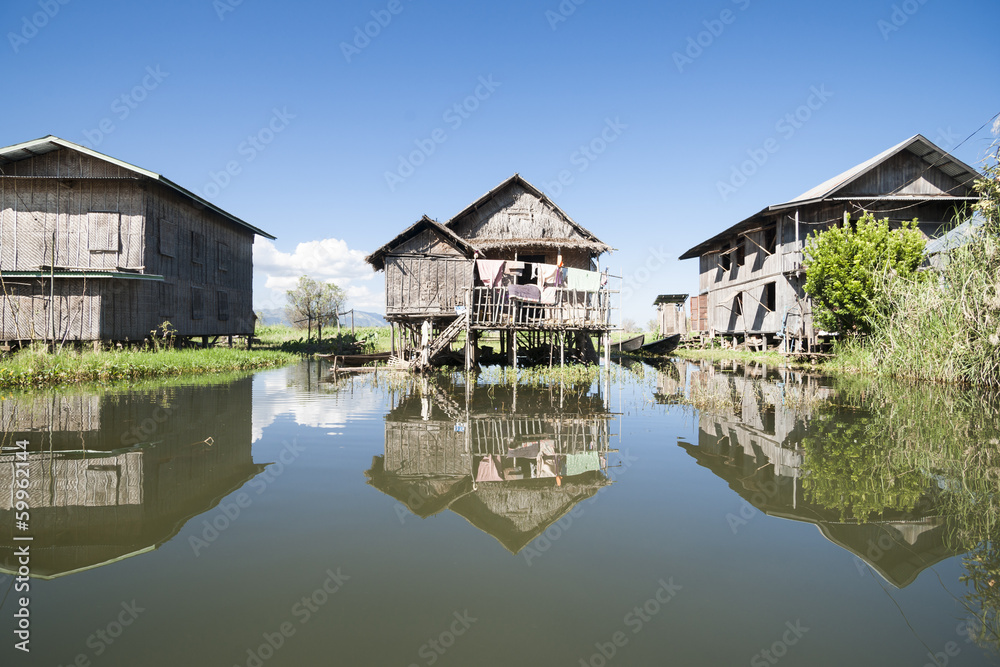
94,248
672,314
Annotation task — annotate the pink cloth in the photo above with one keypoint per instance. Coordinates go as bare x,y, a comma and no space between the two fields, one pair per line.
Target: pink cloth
488,471
490,271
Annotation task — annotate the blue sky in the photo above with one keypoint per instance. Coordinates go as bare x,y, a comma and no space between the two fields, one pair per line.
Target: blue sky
290,116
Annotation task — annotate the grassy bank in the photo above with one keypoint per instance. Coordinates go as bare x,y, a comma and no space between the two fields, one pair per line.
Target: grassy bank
36,367
289,339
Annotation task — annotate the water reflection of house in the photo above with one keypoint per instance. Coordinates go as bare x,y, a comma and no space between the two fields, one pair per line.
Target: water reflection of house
115,475
751,440
511,463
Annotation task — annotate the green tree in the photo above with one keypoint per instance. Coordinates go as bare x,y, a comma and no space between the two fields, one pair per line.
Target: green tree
313,301
845,264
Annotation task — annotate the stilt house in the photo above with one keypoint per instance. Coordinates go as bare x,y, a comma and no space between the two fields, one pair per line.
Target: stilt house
751,275
513,262
93,248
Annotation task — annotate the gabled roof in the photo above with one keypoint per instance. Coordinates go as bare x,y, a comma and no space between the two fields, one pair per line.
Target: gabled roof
830,190
36,147
917,144
377,258
591,241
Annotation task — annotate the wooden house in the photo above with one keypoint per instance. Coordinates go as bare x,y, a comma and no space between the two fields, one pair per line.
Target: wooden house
93,248
487,268
751,276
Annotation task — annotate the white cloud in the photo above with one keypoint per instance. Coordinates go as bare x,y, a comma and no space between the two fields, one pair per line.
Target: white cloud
328,260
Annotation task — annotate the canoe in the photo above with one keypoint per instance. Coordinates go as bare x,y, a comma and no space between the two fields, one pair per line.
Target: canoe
662,346
355,360
630,345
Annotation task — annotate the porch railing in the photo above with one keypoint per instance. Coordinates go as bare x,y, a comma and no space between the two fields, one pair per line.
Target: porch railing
497,307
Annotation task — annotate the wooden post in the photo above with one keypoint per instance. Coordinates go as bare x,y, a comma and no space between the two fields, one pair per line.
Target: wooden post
562,349
52,291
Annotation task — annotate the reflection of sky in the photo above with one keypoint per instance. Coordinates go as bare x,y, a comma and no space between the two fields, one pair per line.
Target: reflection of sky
284,392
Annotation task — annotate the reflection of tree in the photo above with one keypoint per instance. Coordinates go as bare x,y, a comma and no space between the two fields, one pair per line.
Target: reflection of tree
852,469
919,448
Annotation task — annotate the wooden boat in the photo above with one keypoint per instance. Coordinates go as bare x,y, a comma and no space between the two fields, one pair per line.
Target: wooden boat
630,345
662,346
356,360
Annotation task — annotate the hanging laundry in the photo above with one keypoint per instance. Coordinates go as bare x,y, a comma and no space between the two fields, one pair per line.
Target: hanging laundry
490,271
550,296
549,275
583,281
524,292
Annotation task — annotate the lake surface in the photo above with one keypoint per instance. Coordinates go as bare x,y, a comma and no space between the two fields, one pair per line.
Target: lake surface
282,519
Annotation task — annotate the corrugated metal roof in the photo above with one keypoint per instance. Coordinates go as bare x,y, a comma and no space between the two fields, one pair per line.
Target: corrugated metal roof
51,143
917,144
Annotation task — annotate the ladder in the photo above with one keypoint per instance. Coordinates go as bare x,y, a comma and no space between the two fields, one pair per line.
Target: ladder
446,337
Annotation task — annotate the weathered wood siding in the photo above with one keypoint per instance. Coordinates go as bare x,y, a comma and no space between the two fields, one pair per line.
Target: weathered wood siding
768,281
417,285
203,257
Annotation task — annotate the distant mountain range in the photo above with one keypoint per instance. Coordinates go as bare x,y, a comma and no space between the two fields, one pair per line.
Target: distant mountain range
361,318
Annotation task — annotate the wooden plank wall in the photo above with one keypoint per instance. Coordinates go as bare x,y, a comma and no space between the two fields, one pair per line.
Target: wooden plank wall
421,285
758,269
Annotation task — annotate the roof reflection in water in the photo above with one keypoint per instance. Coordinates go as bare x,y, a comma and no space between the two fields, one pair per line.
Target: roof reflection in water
115,475
510,461
751,425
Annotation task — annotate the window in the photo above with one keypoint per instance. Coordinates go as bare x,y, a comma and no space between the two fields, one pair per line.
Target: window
771,239
167,297
168,238
222,299
738,304
768,298
223,255
741,253
103,229
197,248
197,303
725,259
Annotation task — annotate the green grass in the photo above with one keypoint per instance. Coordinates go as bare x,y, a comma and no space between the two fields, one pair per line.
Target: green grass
289,339
37,367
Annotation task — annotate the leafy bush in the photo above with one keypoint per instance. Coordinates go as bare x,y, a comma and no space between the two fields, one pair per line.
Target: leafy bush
844,266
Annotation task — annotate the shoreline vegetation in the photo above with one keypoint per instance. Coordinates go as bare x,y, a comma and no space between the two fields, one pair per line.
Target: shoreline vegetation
36,367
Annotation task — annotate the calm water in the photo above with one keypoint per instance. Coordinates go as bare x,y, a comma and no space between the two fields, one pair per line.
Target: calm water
285,520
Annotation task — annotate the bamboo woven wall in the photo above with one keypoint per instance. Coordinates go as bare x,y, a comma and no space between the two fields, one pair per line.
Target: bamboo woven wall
197,250
106,218
515,218
95,210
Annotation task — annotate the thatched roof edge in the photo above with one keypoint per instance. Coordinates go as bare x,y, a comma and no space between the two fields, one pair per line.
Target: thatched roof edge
377,258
